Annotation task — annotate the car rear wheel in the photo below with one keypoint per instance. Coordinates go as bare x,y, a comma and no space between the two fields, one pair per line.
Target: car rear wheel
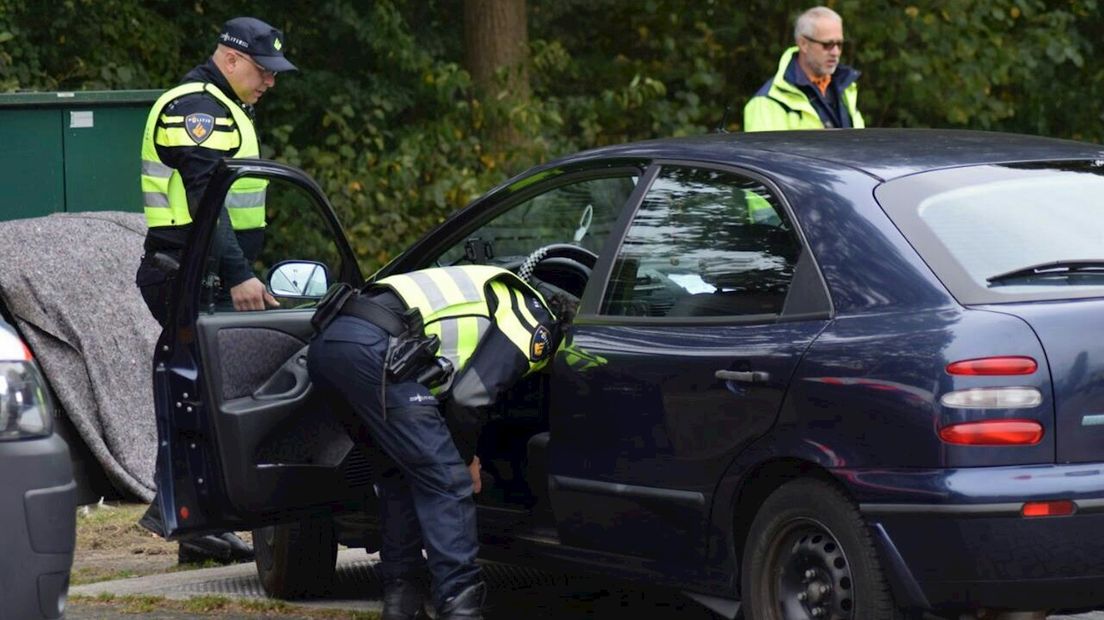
809,555
296,560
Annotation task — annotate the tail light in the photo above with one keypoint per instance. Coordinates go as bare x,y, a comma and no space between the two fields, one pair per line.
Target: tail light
993,433
994,366
993,397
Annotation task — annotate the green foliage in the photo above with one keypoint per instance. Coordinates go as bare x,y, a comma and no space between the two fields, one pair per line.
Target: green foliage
384,116
997,64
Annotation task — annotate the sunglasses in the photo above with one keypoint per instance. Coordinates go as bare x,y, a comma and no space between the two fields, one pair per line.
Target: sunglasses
264,72
827,45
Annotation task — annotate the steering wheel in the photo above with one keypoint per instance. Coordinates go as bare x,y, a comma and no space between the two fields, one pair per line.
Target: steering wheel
576,262
573,257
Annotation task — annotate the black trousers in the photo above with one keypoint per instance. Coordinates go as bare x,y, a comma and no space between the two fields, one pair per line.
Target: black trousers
426,502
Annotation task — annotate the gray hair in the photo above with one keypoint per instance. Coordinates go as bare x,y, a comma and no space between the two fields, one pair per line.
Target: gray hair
806,22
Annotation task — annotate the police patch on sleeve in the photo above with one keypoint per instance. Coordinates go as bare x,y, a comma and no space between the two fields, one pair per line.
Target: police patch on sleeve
540,345
199,126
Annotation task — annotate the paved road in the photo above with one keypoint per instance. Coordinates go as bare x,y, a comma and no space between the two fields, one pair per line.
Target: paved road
514,593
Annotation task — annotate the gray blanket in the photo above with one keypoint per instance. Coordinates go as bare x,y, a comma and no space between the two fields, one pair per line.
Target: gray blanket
68,281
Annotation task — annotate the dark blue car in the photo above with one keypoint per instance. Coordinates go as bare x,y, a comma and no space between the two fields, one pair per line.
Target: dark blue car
847,374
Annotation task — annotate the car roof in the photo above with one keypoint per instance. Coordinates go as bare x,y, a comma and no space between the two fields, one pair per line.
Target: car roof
882,153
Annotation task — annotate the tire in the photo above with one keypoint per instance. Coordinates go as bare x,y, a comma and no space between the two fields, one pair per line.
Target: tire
296,560
809,555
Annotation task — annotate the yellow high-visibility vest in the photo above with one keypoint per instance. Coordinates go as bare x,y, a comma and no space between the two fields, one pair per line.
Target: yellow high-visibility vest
164,199
786,107
454,305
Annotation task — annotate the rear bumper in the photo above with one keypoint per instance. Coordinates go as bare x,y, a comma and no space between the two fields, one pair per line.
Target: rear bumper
956,538
37,527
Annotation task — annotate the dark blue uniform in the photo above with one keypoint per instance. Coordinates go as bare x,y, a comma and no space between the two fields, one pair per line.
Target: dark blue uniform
427,501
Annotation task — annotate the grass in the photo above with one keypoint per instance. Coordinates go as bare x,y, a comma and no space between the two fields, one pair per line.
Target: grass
216,606
109,526
111,545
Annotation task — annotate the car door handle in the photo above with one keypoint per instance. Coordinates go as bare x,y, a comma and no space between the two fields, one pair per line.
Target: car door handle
289,382
743,376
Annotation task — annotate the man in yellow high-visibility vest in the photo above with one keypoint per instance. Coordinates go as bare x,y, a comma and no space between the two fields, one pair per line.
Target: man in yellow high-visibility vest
419,358
811,89
207,117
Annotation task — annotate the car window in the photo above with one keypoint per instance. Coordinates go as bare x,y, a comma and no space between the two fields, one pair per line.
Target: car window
703,243
582,213
1006,233
293,230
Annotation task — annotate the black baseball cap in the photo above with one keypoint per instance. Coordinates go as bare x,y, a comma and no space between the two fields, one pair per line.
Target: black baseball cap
262,42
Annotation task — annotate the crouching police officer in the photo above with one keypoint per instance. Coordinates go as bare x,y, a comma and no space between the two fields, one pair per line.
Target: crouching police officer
457,337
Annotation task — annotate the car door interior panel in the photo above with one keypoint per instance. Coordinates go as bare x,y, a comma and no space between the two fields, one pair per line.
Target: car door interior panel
277,438
249,357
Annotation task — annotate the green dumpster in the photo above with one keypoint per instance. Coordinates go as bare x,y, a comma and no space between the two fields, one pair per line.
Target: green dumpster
71,151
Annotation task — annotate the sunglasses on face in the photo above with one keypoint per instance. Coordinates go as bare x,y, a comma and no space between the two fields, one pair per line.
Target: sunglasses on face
827,45
265,72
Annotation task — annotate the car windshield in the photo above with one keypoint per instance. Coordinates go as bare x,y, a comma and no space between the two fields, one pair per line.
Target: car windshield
1018,230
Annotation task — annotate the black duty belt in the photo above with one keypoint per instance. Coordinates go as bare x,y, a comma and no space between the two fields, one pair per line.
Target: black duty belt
384,318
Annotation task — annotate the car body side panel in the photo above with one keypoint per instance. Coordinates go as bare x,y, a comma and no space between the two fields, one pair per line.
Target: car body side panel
643,433
870,381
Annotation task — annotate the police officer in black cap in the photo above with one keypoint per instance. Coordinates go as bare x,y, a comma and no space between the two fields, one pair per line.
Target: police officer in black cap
207,117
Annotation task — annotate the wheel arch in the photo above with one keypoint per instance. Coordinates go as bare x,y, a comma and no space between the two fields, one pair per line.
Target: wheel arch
759,481
757,484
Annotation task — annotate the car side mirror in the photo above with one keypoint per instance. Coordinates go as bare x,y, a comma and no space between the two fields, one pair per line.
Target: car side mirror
298,279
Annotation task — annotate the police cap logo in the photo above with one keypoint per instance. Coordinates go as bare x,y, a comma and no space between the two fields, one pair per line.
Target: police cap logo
541,343
199,126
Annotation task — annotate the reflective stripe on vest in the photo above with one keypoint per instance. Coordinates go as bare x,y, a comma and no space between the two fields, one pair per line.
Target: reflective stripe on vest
453,304
515,320
164,198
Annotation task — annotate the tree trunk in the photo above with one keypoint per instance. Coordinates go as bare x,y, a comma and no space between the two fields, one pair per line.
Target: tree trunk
496,45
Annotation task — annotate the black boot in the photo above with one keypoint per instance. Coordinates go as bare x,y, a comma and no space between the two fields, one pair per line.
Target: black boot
240,551
468,605
403,599
200,549
151,520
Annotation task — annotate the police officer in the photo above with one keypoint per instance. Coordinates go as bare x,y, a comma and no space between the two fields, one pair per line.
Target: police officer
190,128
491,329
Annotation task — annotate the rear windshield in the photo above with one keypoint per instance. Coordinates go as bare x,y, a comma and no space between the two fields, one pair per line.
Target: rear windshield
1006,233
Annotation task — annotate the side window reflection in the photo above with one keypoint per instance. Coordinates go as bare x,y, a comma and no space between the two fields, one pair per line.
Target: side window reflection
704,243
